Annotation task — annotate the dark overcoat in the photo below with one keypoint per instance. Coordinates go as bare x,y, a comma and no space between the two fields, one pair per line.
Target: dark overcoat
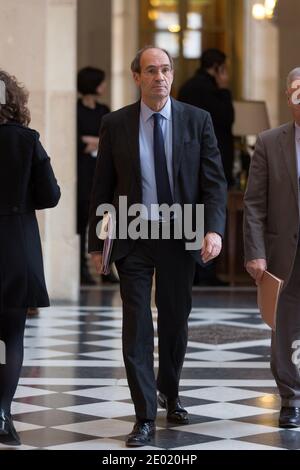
27,183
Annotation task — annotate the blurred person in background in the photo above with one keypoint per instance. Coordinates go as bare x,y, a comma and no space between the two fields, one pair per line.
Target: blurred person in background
208,89
27,183
91,86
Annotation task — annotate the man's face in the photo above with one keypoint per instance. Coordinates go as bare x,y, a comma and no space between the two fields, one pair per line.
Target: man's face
156,76
293,94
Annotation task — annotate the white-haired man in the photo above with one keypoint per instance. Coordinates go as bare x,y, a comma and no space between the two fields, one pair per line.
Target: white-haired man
271,237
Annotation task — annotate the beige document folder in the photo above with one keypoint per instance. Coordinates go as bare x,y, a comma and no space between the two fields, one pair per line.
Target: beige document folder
268,292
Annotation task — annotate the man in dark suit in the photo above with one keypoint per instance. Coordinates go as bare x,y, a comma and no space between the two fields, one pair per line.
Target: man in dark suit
157,151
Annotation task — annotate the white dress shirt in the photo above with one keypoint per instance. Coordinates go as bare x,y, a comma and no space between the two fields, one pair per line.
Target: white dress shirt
147,155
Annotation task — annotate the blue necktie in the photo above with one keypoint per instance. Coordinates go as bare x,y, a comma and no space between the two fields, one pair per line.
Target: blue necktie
164,194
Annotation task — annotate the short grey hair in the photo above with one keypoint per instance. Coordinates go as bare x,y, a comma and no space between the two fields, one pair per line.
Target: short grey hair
292,76
136,63
2,92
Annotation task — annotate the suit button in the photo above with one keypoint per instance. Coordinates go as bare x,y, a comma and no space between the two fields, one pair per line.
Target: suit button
295,236
15,209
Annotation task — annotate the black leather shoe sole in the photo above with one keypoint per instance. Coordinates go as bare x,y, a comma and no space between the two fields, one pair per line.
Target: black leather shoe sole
139,442
10,440
136,444
289,425
178,419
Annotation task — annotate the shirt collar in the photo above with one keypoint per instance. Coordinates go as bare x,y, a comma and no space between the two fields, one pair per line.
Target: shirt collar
297,132
147,112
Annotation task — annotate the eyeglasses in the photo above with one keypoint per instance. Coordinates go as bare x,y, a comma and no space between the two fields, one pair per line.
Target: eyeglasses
152,71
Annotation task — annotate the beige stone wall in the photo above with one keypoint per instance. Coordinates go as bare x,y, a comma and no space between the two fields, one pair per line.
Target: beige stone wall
94,19
38,45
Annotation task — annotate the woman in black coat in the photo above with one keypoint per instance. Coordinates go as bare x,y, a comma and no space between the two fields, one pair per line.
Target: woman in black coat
27,183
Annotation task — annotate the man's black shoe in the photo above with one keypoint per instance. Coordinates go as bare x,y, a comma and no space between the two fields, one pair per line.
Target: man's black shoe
8,433
175,412
289,417
141,434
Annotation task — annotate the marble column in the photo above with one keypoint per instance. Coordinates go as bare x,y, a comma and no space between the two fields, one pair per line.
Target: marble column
38,45
261,45
124,48
94,40
108,39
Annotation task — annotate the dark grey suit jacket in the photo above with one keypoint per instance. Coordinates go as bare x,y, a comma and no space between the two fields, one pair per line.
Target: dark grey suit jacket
197,168
271,216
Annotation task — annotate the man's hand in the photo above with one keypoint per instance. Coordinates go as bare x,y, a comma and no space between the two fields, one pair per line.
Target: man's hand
211,247
256,268
91,142
97,261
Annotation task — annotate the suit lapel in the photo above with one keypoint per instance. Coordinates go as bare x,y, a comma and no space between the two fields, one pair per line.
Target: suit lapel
178,128
288,148
132,125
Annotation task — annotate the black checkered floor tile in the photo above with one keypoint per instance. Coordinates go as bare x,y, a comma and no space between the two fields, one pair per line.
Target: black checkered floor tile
73,391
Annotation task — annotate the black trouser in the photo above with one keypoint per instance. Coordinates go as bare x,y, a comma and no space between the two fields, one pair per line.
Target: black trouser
285,362
12,325
174,272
